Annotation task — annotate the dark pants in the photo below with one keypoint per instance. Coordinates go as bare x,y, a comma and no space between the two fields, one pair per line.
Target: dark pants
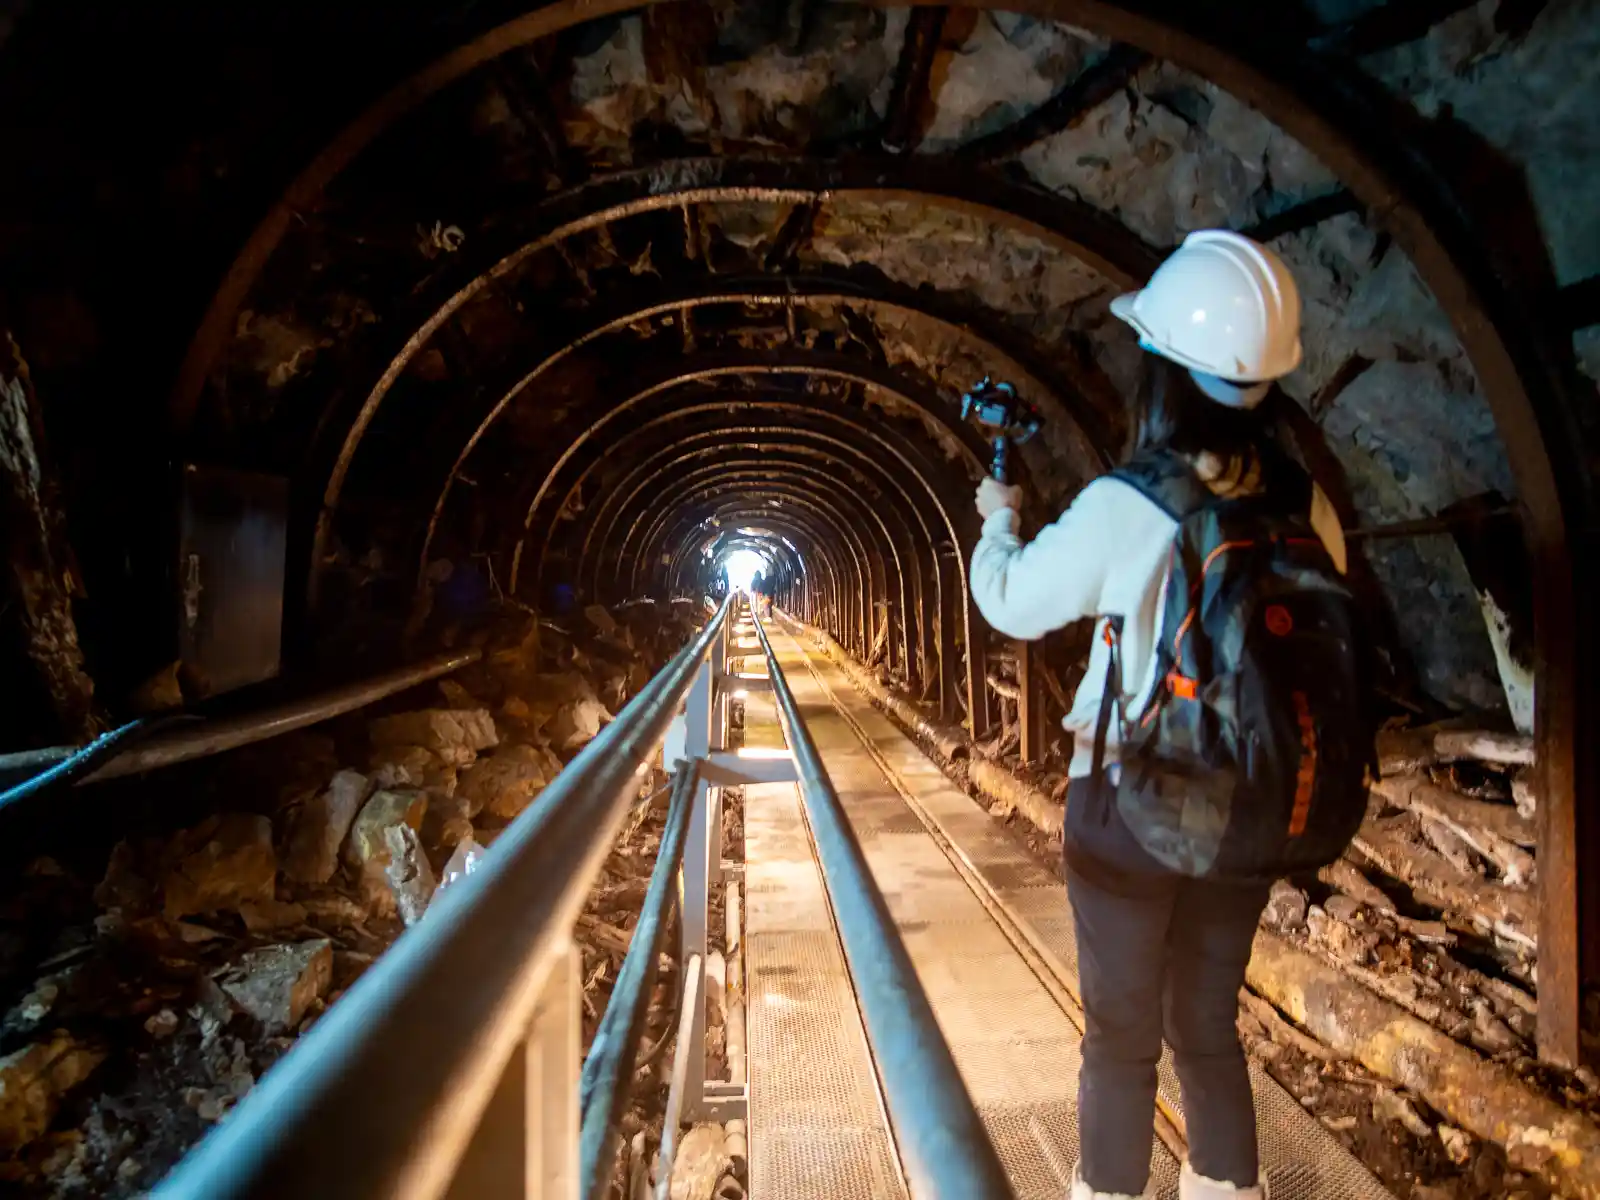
1158,954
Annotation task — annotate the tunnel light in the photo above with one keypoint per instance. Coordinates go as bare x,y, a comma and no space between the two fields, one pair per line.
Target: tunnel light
741,567
741,694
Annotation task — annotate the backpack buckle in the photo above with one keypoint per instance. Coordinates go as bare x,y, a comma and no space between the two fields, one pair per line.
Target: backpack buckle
1182,686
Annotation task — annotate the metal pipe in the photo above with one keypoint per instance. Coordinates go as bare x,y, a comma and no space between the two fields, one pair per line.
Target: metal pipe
694,972
213,737
608,1071
733,1014
381,1097
941,1138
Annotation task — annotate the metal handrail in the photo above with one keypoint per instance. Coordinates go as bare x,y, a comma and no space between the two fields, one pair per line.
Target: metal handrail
943,1146
609,1069
385,1093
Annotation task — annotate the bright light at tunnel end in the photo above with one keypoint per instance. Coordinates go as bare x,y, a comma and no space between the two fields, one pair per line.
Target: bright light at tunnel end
742,567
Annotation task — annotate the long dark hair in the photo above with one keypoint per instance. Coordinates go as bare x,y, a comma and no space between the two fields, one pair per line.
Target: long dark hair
1171,413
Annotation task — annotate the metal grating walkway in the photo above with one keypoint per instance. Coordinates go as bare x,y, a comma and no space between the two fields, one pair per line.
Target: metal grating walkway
1009,1031
817,1126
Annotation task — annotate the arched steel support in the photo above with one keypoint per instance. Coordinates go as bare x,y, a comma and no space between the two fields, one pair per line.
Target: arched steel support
1377,150
907,484
956,674
821,581
589,447
789,362
894,551
827,542
851,517
916,554
832,607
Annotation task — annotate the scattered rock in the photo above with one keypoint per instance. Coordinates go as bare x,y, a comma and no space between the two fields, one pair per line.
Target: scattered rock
1286,909
506,782
409,873
33,1082
368,850
565,708
600,618
454,735
701,1160
162,1024
236,864
455,695
1391,1106
412,766
335,911
266,916
124,887
277,984
1457,1144
320,827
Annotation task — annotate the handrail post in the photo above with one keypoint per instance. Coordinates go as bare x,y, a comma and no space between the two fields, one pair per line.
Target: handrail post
525,1146
698,853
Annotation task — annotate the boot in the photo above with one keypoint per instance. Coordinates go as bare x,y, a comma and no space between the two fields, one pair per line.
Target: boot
1082,1191
1197,1187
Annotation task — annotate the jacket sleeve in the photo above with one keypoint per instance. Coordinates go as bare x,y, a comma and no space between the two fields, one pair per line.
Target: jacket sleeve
1056,579
1326,522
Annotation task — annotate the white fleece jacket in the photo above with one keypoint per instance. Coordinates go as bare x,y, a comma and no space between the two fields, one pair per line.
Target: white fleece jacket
1107,555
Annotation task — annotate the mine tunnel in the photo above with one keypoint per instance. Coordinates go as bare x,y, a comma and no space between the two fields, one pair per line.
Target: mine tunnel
494,701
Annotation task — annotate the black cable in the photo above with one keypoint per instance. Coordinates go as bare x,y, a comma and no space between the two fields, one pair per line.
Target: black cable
670,1033
90,757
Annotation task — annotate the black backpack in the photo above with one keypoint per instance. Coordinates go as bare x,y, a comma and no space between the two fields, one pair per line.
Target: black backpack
1249,761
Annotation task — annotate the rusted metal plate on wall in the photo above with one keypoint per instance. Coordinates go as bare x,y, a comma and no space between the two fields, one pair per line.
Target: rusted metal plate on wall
232,538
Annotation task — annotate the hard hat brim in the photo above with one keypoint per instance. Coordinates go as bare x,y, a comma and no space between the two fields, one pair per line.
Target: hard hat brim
1125,309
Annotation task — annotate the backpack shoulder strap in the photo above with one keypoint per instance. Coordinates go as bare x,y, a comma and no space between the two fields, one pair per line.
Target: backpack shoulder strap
1168,482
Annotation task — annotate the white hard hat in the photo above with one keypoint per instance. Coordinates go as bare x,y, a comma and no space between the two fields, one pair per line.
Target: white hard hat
1221,305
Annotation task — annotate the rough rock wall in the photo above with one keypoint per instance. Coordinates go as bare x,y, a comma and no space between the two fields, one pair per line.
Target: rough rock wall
1171,154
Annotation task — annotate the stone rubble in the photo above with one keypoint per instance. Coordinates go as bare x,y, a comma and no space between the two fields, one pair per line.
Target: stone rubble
278,984
190,961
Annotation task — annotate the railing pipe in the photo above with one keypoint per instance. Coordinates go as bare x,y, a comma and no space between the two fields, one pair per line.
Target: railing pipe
382,1096
608,1071
213,737
941,1139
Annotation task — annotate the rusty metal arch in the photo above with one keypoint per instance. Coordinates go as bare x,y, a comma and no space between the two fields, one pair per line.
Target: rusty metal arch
899,528
780,435
789,525
851,604
1351,126
748,412
706,367
829,533
720,365
807,483
1056,387
778,439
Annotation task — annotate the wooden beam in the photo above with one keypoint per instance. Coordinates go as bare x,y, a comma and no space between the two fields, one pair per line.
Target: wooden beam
1030,702
525,88
1390,25
1091,88
42,572
1304,215
793,236
902,125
